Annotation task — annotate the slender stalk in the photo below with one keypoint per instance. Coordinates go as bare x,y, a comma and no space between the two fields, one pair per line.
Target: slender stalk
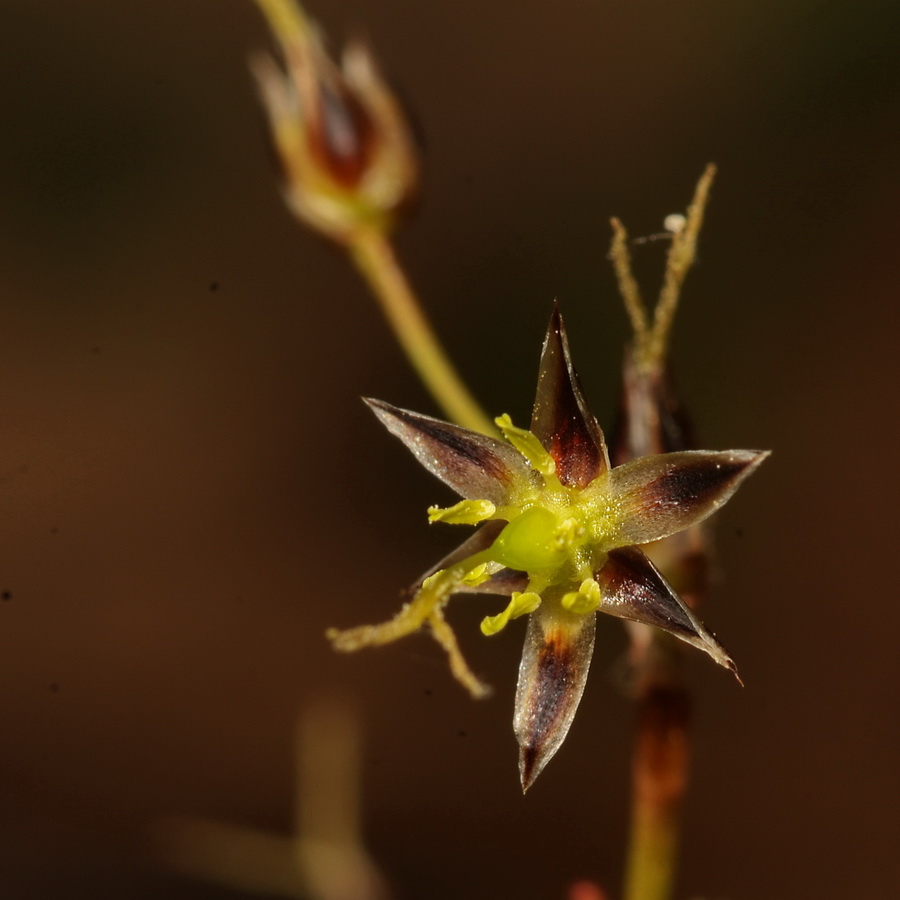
651,340
324,858
659,773
374,256
661,751
682,255
628,286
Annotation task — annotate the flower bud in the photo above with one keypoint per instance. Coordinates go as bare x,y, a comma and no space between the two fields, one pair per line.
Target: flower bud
340,135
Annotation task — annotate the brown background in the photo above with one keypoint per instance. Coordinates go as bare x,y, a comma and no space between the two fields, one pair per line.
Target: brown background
190,490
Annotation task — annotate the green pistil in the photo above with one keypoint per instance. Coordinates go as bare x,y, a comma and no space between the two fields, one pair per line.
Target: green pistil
532,541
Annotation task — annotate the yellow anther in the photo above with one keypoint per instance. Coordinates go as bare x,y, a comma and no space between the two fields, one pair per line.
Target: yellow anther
569,532
585,600
466,512
477,576
527,444
519,605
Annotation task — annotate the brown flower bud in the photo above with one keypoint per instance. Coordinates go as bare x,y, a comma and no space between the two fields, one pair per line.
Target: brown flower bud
340,134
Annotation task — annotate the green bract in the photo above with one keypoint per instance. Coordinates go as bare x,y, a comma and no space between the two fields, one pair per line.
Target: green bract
558,531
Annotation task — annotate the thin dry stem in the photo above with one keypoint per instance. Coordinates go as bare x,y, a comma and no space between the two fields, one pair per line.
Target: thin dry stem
682,255
661,754
373,254
659,780
651,340
328,847
286,19
628,286
328,764
324,858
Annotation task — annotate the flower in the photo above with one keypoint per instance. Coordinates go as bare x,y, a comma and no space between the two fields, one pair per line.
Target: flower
560,535
340,134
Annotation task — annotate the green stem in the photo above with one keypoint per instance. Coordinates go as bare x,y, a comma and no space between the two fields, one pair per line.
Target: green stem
375,258
651,871
658,786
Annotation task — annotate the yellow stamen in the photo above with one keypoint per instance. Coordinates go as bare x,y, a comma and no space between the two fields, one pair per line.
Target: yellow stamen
519,605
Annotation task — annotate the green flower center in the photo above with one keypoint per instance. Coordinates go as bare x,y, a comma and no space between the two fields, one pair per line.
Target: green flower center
533,541
556,534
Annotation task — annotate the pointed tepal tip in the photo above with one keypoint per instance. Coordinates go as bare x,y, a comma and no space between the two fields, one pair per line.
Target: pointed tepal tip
736,464
377,406
720,655
552,675
554,335
396,420
730,664
560,418
754,458
556,327
534,756
531,764
555,355
742,464
746,462
400,422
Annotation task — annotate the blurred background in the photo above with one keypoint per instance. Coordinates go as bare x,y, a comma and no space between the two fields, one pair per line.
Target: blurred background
191,490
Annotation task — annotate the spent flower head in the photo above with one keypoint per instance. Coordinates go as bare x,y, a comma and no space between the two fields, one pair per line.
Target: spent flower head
653,419
559,535
340,134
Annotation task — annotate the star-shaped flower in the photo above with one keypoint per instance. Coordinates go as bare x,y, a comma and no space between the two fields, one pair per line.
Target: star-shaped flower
559,535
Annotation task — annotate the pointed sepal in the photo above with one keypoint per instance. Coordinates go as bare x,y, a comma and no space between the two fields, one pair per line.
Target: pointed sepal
476,466
632,588
561,418
555,662
656,496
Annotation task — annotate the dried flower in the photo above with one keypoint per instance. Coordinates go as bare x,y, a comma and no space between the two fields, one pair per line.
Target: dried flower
652,418
340,134
559,536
